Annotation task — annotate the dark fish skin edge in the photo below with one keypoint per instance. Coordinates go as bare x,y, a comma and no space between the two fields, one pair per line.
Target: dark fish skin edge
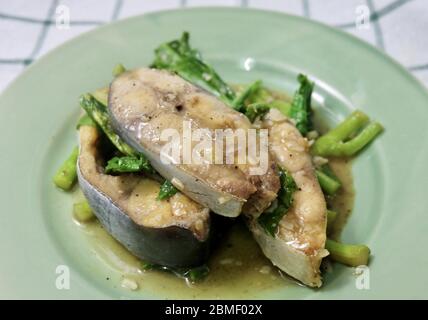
170,246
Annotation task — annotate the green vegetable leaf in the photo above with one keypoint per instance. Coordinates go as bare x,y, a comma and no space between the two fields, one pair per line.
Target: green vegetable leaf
167,190
255,110
270,219
239,102
301,110
177,56
127,164
288,186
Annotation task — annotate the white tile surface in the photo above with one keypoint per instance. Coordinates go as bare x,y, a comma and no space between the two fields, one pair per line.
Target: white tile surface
290,6
366,34
90,9
17,39
422,75
29,9
335,12
403,29
8,73
136,7
55,36
200,3
407,43
379,4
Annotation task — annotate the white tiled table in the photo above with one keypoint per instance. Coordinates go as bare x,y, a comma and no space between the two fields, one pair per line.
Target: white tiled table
28,27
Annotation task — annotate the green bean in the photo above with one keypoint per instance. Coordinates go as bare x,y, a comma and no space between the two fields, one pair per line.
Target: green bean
328,184
118,70
82,212
335,143
353,255
66,175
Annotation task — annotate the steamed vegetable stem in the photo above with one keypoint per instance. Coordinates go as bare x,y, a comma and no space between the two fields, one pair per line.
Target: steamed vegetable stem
82,212
331,218
353,255
328,184
177,56
238,102
301,110
99,114
118,70
66,175
340,140
256,110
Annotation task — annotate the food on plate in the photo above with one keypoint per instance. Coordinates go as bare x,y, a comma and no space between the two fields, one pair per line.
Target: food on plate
162,208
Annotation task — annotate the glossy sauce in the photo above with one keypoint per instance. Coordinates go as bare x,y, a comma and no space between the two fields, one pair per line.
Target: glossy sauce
238,268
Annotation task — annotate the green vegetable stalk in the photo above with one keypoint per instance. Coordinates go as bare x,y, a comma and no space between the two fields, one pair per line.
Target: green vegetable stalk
349,137
353,255
177,56
82,212
167,190
269,220
118,70
256,110
239,101
329,184
301,110
66,175
98,113
331,218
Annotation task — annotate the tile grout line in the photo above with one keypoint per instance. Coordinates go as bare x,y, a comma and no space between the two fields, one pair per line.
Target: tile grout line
48,21
376,26
377,14
116,10
42,35
306,10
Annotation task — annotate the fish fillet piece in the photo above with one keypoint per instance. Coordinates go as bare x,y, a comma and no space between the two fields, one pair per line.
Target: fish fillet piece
145,102
298,246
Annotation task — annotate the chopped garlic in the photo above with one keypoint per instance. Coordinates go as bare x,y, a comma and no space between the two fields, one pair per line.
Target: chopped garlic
129,284
222,200
264,270
319,161
226,261
177,183
312,135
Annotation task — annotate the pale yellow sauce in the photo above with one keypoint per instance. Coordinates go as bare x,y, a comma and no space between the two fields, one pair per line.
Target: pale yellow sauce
238,268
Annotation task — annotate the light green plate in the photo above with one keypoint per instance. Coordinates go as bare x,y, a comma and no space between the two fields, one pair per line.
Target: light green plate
38,113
